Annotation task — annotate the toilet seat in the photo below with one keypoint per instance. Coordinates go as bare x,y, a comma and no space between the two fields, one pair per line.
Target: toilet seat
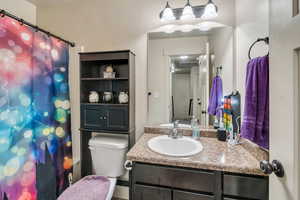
113,182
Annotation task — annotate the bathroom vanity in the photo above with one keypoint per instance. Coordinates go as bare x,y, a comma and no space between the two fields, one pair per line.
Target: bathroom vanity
216,173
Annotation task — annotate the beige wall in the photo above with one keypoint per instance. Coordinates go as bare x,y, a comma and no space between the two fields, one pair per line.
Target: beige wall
111,25
252,22
20,8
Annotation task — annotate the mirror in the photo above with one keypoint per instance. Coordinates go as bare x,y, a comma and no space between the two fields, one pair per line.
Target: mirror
181,67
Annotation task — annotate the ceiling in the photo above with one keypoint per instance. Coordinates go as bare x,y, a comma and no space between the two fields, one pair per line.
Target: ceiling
47,2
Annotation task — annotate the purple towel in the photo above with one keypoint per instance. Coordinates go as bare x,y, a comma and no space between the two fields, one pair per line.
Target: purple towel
216,95
255,125
88,188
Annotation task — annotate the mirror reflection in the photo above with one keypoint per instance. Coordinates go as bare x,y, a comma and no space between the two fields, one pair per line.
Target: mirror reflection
188,87
182,67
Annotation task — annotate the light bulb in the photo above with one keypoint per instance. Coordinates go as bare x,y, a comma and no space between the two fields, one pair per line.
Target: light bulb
188,13
169,28
184,57
168,14
186,28
204,26
210,11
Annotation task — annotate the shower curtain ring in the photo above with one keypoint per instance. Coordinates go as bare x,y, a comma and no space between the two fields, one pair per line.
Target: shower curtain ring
21,22
36,28
2,13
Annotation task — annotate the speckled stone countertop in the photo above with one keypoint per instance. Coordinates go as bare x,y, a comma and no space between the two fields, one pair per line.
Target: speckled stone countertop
216,155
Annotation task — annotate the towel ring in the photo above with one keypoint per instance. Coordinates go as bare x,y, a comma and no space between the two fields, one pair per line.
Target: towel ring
266,40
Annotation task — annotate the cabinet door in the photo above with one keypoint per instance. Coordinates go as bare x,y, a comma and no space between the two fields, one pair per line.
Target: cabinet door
180,195
117,118
93,117
142,192
247,187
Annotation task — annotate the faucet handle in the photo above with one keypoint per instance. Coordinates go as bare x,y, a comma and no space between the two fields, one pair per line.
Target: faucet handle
176,124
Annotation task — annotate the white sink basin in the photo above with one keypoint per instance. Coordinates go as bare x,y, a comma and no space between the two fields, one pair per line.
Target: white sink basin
180,147
179,125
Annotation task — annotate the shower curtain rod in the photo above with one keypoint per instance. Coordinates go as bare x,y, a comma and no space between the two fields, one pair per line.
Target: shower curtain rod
4,13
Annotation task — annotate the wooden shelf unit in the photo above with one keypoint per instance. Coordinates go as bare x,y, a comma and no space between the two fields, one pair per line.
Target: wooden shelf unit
102,117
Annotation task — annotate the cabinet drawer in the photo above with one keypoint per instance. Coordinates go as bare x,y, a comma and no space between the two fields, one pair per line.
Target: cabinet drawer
246,187
141,192
93,117
180,195
202,181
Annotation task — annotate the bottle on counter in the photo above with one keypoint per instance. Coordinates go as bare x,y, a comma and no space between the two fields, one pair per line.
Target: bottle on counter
196,128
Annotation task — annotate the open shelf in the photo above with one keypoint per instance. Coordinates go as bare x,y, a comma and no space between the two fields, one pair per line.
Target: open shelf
106,104
103,79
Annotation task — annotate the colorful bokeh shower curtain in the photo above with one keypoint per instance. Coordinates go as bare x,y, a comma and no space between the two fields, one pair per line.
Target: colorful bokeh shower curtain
34,112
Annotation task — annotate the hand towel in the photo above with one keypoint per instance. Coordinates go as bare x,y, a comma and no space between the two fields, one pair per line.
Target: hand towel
215,99
255,125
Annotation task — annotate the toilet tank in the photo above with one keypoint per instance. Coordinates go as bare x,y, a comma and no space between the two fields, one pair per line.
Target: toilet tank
108,155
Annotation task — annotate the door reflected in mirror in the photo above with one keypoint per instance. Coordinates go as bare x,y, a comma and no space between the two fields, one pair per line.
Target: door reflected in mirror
189,75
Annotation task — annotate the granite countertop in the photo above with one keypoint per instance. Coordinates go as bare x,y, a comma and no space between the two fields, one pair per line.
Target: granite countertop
216,155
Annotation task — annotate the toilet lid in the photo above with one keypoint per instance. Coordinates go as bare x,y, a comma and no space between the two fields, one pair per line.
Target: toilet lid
114,141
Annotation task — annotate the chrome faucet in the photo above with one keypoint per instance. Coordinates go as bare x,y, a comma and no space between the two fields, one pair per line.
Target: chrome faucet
174,133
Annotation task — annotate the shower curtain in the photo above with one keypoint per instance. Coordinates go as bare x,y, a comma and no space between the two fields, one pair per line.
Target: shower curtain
35,137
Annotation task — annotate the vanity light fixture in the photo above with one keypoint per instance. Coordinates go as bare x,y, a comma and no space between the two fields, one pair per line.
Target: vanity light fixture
188,12
167,14
210,11
207,11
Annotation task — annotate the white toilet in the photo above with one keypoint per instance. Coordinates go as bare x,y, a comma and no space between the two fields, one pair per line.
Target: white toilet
108,158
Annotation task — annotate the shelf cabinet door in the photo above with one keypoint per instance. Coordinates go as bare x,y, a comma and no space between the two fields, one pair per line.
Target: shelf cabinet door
93,117
117,118
181,195
142,192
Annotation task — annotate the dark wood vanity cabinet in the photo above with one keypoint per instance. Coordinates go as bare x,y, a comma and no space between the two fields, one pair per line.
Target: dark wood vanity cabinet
156,182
